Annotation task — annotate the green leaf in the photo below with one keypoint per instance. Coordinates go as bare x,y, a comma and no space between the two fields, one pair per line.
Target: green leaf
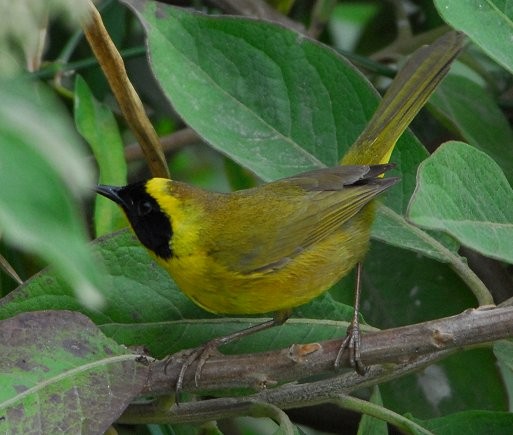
471,422
477,117
463,191
371,425
96,123
136,288
391,227
43,174
503,350
402,289
489,23
270,98
467,380
409,236
143,306
55,366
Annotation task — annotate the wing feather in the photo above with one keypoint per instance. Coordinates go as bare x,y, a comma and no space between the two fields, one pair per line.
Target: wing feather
303,210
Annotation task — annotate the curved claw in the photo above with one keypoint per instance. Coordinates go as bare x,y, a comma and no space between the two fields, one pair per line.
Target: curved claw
207,351
352,342
200,354
204,352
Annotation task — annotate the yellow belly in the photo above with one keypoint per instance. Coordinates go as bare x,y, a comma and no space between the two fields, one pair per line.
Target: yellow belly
219,290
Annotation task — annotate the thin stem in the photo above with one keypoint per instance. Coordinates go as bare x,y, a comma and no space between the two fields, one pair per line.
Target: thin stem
129,102
169,143
70,46
262,409
364,407
367,63
321,13
482,294
9,270
55,67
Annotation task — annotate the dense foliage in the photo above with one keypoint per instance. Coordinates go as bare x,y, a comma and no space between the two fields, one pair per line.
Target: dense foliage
236,101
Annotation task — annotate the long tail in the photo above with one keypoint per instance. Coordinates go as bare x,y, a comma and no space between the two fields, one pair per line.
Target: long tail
409,91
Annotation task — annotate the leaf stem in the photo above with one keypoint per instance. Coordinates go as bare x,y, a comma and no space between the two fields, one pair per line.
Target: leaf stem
263,409
364,407
59,66
129,102
480,291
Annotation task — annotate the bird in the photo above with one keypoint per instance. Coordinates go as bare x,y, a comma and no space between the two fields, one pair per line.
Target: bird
279,245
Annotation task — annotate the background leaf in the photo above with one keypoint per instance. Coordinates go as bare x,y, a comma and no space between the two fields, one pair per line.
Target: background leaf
497,423
463,191
444,388
55,366
477,117
503,350
371,425
488,23
240,89
39,210
96,123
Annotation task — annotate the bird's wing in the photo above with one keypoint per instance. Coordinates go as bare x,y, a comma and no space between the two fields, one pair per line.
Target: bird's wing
289,216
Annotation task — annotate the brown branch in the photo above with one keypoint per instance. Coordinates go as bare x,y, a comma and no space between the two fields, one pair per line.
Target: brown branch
285,397
129,102
321,14
410,348
400,47
399,345
169,143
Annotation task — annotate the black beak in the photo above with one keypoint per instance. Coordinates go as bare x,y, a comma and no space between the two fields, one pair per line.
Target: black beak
111,192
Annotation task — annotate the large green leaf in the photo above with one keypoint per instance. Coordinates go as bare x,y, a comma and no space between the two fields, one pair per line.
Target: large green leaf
42,175
270,98
136,289
402,289
464,192
489,23
60,374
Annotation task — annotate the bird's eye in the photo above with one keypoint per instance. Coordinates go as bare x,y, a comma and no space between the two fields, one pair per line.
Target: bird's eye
144,208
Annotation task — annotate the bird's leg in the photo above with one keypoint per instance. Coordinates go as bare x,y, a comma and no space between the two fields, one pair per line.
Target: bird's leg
202,353
352,341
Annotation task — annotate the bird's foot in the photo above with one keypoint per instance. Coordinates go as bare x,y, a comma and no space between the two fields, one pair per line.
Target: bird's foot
352,342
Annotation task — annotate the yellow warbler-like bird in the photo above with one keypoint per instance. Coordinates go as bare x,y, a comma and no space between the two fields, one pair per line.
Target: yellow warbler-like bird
279,245
270,248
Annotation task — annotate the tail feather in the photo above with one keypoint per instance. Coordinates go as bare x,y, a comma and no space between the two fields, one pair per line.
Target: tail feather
407,94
